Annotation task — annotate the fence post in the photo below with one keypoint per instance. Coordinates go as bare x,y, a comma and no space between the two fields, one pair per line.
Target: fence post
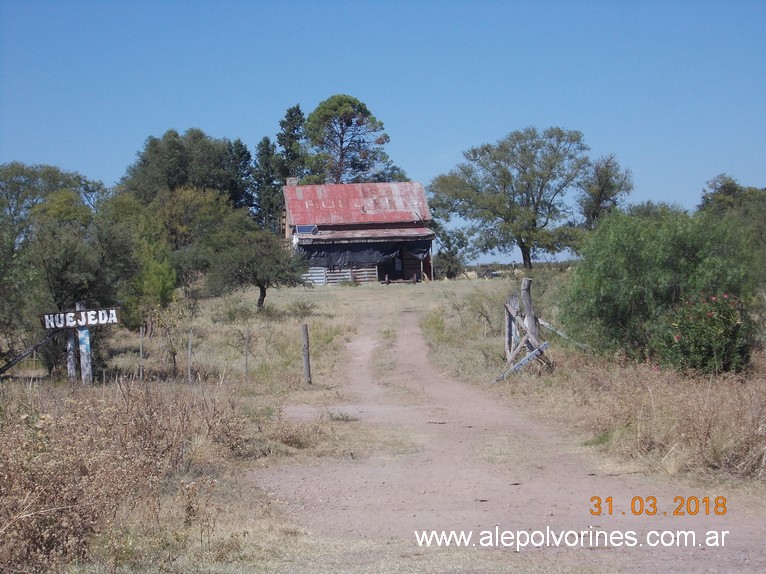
189,359
141,354
306,359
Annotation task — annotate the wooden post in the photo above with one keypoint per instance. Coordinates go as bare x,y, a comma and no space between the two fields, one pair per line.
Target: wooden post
71,359
141,354
511,331
518,322
530,317
189,359
306,358
247,352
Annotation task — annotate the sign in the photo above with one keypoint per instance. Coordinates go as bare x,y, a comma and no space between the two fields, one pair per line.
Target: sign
80,319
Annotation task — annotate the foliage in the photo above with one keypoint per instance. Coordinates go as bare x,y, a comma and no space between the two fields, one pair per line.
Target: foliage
268,171
605,184
23,189
709,333
677,422
243,255
350,140
291,138
61,245
191,160
512,192
635,268
744,207
449,261
724,193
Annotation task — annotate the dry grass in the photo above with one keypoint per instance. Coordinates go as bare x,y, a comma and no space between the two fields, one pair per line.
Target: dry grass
153,476
679,424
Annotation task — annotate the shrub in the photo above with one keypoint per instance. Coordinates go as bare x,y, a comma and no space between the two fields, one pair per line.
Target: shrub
636,267
711,334
302,308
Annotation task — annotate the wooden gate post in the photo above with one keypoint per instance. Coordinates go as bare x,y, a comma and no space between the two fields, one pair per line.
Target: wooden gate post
518,322
306,358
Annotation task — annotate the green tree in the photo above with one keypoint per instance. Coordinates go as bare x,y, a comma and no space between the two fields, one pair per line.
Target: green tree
152,284
238,175
78,255
512,193
449,260
349,140
269,202
605,184
161,166
189,217
291,139
242,255
744,207
26,194
191,160
636,267
723,192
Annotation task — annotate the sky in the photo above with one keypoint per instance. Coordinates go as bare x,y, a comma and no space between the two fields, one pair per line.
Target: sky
676,90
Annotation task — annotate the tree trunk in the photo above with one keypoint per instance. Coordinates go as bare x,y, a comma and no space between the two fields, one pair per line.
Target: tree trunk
526,256
261,297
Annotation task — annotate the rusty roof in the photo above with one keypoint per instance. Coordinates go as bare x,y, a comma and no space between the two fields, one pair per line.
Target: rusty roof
356,203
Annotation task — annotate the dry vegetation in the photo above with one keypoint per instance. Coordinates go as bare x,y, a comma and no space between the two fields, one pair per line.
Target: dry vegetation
145,474
633,411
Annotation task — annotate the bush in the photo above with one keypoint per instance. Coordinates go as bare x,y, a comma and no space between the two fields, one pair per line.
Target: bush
636,267
74,461
711,334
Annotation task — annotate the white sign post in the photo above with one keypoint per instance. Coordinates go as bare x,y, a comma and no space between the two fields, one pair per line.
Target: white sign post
80,320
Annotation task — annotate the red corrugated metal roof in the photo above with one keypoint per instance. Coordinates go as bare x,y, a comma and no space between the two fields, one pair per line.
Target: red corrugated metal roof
348,204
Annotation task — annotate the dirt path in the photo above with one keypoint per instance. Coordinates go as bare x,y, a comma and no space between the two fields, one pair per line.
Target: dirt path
478,464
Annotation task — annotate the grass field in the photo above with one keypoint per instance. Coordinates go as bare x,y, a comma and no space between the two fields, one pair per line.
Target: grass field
147,470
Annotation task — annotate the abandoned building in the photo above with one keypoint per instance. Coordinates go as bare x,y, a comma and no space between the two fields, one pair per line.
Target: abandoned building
361,232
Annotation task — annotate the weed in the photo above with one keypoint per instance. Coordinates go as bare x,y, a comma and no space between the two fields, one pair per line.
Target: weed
342,417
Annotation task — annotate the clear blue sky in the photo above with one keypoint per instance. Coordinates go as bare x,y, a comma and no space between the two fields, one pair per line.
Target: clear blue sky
676,90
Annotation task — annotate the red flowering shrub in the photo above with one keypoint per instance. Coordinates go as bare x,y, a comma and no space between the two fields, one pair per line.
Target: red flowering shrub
711,334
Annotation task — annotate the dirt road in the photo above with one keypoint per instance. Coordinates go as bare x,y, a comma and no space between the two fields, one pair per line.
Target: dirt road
479,465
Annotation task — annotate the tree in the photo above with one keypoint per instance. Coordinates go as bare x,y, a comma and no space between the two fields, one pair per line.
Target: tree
512,192
636,268
350,141
77,254
602,188
238,175
152,284
192,160
189,217
291,138
22,187
268,181
743,206
242,255
449,261
723,192
39,206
